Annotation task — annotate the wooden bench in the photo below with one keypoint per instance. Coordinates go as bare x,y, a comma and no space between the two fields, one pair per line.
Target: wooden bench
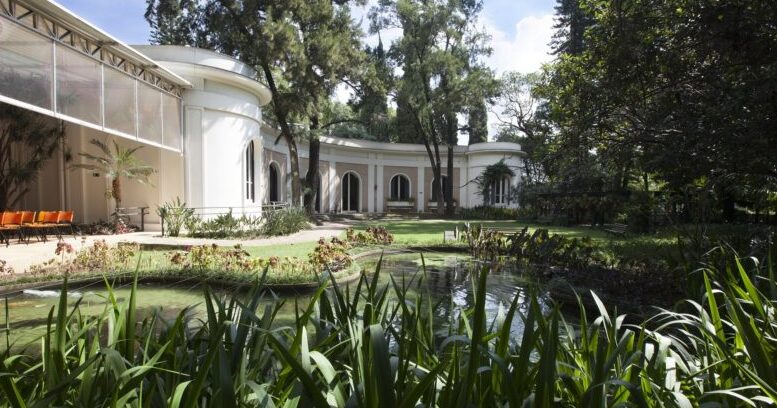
615,229
400,206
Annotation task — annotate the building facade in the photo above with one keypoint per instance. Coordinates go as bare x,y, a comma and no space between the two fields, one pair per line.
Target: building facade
198,116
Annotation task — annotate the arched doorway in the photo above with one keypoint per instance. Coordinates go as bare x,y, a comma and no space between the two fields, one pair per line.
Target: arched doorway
351,192
274,183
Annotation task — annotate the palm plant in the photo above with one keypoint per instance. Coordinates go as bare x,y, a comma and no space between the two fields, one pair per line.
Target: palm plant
117,163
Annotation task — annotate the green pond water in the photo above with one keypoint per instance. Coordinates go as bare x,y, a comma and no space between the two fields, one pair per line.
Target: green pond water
447,280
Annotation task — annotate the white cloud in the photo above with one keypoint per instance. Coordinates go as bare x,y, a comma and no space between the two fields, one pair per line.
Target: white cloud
524,52
527,50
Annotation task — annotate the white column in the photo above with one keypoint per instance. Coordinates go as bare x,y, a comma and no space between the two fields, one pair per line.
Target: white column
260,172
288,181
464,180
380,199
333,184
371,184
421,183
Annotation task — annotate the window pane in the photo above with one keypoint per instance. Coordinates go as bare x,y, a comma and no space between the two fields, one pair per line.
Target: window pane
25,65
150,110
171,108
78,85
120,111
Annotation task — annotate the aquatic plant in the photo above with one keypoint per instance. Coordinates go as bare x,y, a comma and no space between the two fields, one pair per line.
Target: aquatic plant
373,345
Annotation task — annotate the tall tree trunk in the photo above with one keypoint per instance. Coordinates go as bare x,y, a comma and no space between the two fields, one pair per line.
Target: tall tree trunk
116,192
296,185
449,208
288,136
437,169
434,159
311,178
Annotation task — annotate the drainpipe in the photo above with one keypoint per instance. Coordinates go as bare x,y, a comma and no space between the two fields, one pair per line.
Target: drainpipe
63,199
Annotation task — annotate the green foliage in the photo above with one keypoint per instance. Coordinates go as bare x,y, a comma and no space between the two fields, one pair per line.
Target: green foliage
492,174
679,91
377,345
102,257
439,54
222,226
175,215
377,235
301,49
284,221
482,212
538,247
115,164
331,256
477,125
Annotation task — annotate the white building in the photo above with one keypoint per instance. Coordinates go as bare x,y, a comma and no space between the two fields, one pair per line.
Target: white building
198,116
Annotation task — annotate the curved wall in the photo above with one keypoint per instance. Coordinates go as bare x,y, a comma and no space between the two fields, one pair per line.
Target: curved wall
223,113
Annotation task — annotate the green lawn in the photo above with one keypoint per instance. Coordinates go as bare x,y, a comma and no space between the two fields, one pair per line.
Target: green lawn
662,245
430,232
299,250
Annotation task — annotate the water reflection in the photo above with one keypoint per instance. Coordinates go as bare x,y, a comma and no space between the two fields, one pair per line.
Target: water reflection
447,281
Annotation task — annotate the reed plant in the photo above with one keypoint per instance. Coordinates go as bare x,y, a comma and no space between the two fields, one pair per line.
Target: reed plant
376,345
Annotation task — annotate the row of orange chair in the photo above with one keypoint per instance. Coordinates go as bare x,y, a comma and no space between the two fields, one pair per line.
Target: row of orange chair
26,223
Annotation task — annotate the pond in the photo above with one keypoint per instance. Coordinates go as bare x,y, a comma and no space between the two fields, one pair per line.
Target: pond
447,280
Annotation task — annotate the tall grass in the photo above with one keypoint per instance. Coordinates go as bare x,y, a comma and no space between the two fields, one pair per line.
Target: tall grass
373,345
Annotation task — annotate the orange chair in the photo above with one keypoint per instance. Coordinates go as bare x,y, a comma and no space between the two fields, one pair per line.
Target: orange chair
11,222
45,220
28,217
65,220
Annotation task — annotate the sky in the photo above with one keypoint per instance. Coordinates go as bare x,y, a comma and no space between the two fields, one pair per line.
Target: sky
520,30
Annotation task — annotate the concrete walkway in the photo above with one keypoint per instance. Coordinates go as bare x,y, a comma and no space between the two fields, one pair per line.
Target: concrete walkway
21,257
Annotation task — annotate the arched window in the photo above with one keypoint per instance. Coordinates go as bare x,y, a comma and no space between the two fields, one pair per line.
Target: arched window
250,175
274,183
351,192
446,191
400,188
500,190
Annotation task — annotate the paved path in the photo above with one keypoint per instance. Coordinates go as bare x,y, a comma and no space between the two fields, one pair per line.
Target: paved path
21,256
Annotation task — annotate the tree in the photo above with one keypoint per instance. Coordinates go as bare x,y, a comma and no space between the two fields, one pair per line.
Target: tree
523,120
370,101
678,91
439,54
477,125
115,164
301,49
175,22
571,23
27,142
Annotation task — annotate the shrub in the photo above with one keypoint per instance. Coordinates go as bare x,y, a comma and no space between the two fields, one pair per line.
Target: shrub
489,213
102,257
224,226
371,236
214,257
332,255
174,215
105,228
284,221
